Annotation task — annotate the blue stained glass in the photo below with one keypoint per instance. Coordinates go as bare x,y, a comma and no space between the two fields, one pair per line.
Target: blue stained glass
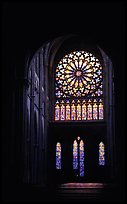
79,74
78,160
58,155
81,150
101,154
75,155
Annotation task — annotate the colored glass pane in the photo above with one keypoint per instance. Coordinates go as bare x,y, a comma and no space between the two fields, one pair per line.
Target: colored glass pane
67,111
101,111
58,155
81,153
78,112
57,112
75,155
79,77
62,115
84,111
95,111
89,112
101,154
82,72
73,112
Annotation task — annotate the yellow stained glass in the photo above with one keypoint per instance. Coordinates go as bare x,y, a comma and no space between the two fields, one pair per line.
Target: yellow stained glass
62,114
67,111
95,111
84,111
78,112
89,112
73,112
79,65
101,111
79,76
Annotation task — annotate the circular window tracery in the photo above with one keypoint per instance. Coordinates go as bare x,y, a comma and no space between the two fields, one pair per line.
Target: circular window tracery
78,74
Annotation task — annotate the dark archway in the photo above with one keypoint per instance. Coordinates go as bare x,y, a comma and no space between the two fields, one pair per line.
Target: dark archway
23,37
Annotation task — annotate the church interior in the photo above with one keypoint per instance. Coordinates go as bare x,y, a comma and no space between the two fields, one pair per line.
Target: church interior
63,101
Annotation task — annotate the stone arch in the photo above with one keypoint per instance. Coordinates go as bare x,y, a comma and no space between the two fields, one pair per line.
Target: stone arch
40,92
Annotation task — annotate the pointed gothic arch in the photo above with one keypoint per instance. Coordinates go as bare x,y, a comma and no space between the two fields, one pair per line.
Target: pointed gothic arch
92,112
78,157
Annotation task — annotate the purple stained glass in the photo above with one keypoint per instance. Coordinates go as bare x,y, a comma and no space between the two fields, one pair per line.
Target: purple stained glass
75,155
100,111
57,112
81,152
58,155
79,76
101,154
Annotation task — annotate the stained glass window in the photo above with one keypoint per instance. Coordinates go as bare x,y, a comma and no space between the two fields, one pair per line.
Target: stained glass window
75,155
68,111
89,111
81,152
58,155
84,111
62,114
78,111
79,87
73,111
100,110
101,154
95,110
57,111
78,156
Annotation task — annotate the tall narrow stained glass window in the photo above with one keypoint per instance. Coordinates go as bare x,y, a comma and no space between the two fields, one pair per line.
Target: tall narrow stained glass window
84,111
95,110
57,111
79,87
101,154
81,153
68,111
100,110
75,155
58,155
89,111
78,111
62,113
78,156
73,111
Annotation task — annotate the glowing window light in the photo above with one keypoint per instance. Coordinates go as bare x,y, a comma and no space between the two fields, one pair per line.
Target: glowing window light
68,111
101,154
81,153
79,76
75,155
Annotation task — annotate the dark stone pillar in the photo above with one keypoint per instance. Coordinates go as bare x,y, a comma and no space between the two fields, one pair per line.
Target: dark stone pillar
32,123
